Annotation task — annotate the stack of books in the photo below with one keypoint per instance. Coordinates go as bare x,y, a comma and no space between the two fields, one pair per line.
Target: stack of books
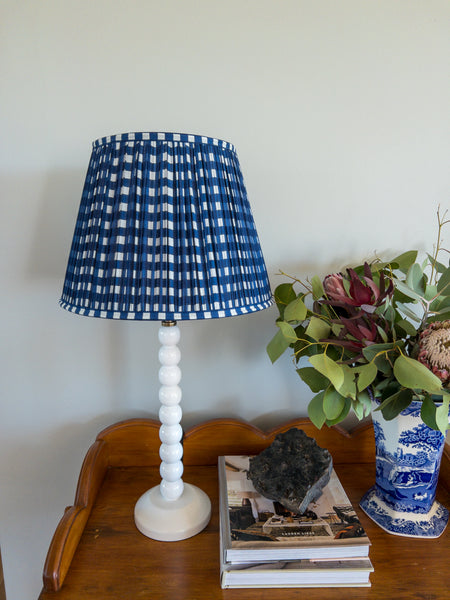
262,544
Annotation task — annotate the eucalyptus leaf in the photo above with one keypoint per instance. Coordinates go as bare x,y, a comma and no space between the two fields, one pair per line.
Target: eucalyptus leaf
405,260
382,334
442,416
344,412
394,405
317,287
295,310
277,345
442,301
362,405
440,268
440,308
370,352
412,374
384,366
407,327
408,290
315,380
388,311
336,329
366,375
401,298
329,368
365,399
358,408
430,292
408,312
317,329
428,412
444,281
414,278
392,387
315,410
283,295
288,331
348,386
333,403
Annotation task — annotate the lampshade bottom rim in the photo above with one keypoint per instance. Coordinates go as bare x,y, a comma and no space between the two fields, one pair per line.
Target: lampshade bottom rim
167,316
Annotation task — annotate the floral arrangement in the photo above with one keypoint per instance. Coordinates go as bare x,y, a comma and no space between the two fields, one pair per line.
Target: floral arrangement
379,331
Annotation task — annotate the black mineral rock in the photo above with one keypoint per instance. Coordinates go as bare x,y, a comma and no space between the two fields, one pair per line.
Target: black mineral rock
293,470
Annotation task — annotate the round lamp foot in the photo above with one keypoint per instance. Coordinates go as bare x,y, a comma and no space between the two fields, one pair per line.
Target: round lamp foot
172,520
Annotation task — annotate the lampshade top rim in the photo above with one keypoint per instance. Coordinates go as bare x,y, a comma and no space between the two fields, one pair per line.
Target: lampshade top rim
161,136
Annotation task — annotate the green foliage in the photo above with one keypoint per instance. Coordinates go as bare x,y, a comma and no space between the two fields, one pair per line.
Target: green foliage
317,329
315,410
315,380
333,403
295,310
412,374
287,331
364,332
317,287
428,412
328,368
404,261
393,405
444,282
277,346
442,415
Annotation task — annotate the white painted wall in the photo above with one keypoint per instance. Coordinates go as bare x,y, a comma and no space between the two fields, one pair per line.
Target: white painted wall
339,112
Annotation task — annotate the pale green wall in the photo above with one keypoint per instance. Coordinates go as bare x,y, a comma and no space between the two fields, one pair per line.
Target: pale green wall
339,112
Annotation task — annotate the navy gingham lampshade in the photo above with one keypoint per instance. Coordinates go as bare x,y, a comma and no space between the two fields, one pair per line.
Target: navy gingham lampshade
164,232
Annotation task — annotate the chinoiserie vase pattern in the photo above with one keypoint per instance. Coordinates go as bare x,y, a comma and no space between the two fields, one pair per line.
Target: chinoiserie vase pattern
408,457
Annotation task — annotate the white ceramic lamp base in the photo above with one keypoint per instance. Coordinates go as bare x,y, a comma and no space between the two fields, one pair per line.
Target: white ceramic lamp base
173,510
173,520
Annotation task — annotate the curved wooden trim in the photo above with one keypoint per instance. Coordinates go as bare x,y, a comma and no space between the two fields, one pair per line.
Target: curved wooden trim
203,443
70,528
132,443
125,425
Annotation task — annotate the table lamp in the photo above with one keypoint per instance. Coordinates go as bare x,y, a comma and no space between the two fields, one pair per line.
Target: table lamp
165,233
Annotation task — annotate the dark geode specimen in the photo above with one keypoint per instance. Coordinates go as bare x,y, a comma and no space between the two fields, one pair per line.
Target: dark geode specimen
293,470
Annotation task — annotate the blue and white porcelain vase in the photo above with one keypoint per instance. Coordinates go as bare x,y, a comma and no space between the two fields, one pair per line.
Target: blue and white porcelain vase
408,457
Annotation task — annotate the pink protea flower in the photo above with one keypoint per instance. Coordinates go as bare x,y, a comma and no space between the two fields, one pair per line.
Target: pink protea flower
355,298
362,291
333,287
434,350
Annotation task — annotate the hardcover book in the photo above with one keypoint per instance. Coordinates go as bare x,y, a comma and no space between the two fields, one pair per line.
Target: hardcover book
298,573
255,529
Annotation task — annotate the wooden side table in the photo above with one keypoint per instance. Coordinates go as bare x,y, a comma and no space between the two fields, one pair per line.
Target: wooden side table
97,552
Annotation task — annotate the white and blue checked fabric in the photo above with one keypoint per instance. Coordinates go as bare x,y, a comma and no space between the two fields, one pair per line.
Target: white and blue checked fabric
164,232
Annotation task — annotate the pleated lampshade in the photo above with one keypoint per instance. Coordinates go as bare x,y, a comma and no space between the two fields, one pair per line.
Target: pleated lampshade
164,232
